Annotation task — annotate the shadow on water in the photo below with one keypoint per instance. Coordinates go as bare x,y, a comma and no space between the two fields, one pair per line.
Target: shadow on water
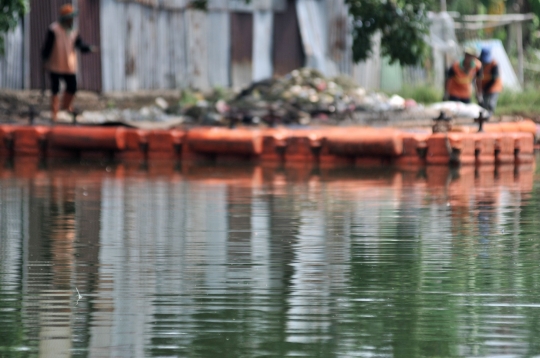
172,259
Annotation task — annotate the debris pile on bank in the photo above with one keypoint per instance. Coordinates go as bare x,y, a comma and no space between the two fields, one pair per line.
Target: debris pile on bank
302,97
306,94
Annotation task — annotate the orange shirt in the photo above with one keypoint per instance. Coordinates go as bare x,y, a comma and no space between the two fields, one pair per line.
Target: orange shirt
459,83
63,57
491,73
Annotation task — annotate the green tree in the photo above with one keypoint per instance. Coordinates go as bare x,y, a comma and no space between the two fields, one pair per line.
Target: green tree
403,25
11,12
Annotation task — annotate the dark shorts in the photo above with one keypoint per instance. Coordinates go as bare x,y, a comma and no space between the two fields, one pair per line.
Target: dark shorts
457,99
70,80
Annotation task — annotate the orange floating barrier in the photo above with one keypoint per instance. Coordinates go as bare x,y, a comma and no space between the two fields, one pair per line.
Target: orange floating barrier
365,142
83,138
328,146
504,149
213,142
523,147
274,143
6,141
525,126
303,146
484,144
136,143
178,141
450,148
30,141
161,145
324,147
414,149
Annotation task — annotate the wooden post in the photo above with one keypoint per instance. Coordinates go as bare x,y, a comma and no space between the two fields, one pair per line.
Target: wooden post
519,35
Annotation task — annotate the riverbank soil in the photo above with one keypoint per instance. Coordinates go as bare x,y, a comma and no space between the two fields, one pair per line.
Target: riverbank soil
18,107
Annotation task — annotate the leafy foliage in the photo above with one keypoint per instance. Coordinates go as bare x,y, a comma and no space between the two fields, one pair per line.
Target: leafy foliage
199,4
403,24
10,13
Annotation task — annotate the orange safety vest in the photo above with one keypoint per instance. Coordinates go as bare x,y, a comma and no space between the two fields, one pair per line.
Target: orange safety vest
460,84
63,56
497,85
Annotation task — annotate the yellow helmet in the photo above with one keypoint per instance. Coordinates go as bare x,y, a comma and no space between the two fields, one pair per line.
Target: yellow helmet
471,50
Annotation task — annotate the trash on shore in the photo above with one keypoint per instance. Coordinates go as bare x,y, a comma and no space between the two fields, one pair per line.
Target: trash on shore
459,109
302,97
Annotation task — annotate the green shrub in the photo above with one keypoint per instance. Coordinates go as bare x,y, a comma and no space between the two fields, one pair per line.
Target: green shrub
425,94
526,103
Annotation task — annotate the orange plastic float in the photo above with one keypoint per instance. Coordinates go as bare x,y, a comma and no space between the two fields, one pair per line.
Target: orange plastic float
523,147
216,143
303,146
450,148
274,143
484,145
30,141
463,149
324,146
85,141
160,145
135,145
365,142
165,144
6,141
327,157
83,138
362,145
414,149
504,149
526,126
178,141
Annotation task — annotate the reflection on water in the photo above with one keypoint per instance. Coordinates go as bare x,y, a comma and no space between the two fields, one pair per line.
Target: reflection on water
252,261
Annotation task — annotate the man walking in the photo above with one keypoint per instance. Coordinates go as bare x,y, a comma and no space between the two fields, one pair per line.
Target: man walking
59,57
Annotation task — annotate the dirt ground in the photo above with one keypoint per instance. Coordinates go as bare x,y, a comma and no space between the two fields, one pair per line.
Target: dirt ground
15,106
18,106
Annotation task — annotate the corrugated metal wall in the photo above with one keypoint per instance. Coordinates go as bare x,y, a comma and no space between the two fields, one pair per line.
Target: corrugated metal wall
313,29
157,48
241,48
12,63
339,35
89,29
219,48
160,44
287,43
263,21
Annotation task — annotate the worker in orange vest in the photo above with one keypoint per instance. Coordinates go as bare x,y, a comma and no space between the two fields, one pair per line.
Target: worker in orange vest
461,75
491,81
60,59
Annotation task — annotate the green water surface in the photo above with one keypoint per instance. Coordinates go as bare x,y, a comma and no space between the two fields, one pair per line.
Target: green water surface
222,261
